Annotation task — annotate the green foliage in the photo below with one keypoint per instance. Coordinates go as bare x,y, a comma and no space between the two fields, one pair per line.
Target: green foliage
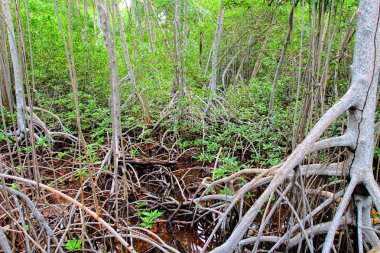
226,191
133,152
14,186
19,170
61,181
61,155
228,165
80,174
2,136
148,218
271,198
140,205
249,195
41,142
377,152
74,245
243,131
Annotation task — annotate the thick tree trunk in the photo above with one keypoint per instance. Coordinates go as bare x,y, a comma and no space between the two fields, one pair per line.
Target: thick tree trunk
360,101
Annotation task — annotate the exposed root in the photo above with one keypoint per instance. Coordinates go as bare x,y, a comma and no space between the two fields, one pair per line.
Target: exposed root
86,209
338,215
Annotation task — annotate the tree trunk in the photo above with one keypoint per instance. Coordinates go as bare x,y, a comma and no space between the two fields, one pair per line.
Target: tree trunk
114,75
131,73
17,71
215,47
360,102
5,77
179,83
283,52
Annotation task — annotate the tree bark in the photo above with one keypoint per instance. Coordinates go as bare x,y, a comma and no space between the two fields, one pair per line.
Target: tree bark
215,48
283,52
17,70
131,73
114,74
360,101
179,82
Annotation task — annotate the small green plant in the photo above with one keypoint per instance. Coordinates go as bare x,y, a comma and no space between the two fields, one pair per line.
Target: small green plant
41,142
62,181
133,152
80,174
205,157
377,152
209,190
249,195
226,191
2,136
271,198
14,186
149,218
19,170
61,155
228,165
140,205
332,179
25,149
74,244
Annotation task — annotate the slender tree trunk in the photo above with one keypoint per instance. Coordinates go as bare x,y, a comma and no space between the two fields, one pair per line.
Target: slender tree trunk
17,70
215,48
133,11
69,53
132,26
114,75
200,49
179,84
240,71
185,30
148,24
131,73
5,76
139,24
283,52
260,56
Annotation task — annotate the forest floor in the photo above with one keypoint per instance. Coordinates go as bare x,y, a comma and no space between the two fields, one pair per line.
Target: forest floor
147,184
156,189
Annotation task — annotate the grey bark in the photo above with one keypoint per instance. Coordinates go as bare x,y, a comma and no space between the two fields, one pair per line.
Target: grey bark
360,101
17,70
131,73
4,242
185,15
5,76
215,48
179,83
114,75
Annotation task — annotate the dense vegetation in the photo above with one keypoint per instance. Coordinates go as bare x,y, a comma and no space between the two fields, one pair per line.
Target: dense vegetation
139,119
